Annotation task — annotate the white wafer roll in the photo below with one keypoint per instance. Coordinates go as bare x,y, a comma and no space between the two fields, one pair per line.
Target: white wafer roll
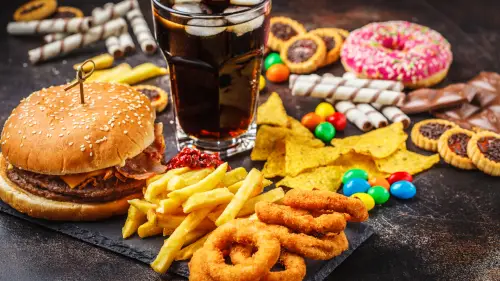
377,84
55,36
72,25
126,42
77,40
354,115
142,31
337,92
102,15
329,78
394,114
114,47
376,118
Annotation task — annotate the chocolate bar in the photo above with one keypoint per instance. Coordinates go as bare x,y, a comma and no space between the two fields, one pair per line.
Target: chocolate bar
425,100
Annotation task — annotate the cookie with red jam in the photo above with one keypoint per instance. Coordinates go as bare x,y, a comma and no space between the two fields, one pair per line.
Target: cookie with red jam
282,29
157,96
304,53
452,146
425,134
484,151
333,41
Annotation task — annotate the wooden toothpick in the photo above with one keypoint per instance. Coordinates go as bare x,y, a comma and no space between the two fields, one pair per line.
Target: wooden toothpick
81,76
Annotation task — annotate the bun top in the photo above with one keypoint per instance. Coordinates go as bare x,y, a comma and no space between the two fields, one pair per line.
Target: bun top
51,132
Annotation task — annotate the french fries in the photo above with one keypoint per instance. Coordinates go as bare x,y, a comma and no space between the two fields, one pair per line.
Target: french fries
207,199
157,187
206,184
148,229
189,178
169,206
252,182
174,243
234,187
173,221
188,251
234,176
143,205
134,219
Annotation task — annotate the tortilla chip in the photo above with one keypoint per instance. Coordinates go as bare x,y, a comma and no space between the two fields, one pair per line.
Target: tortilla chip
299,129
324,178
404,160
266,140
355,160
305,140
346,145
272,112
275,165
300,157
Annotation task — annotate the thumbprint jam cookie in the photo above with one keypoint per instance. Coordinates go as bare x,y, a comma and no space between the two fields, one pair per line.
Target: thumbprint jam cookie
333,41
484,151
67,12
35,10
425,134
282,29
157,96
304,53
452,146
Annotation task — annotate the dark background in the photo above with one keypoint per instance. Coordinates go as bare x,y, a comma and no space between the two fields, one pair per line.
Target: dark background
450,231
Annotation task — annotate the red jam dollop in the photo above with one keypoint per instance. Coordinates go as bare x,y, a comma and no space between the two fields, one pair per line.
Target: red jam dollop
194,159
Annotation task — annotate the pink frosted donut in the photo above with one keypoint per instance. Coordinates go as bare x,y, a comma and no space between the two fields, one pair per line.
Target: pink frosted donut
398,50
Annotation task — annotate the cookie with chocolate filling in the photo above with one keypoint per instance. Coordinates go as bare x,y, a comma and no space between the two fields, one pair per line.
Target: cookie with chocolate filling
158,97
452,146
425,134
66,12
282,30
333,41
484,151
304,53
342,32
35,10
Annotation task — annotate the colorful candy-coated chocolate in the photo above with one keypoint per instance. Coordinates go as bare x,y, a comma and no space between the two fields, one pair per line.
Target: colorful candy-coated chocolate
354,174
379,181
262,83
366,199
355,186
379,194
403,189
278,73
325,131
324,109
338,120
311,120
272,59
399,176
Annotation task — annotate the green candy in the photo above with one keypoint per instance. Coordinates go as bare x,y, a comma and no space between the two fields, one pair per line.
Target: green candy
354,174
272,59
325,131
379,194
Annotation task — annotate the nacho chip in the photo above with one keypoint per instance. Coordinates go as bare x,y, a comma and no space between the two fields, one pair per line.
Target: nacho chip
266,140
298,129
324,178
346,144
275,165
272,112
404,160
300,157
355,160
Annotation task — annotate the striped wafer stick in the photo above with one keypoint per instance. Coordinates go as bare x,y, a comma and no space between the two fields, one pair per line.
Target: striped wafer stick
72,25
376,118
354,115
114,47
55,36
394,114
112,11
142,31
126,42
329,78
377,84
77,40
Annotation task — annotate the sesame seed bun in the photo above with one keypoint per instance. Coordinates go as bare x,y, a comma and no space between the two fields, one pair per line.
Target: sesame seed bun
51,132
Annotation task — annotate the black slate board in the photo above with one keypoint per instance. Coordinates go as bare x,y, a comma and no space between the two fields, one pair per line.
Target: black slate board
107,234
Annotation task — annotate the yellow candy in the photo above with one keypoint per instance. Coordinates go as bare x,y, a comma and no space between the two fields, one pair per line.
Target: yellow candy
366,199
324,109
262,83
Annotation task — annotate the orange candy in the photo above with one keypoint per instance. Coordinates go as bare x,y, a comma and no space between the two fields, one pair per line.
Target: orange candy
311,120
278,73
380,182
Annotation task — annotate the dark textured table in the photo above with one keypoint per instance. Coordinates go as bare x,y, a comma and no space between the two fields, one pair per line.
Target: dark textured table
450,231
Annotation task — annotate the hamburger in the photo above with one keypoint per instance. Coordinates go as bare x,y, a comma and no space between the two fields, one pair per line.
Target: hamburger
63,160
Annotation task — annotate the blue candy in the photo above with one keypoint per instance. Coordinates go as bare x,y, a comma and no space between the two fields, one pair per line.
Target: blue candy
403,190
355,185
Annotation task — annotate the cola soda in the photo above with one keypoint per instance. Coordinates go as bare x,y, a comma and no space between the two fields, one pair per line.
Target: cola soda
214,51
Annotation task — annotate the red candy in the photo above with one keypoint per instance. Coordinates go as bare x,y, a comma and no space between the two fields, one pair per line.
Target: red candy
338,121
399,176
311,120
194,159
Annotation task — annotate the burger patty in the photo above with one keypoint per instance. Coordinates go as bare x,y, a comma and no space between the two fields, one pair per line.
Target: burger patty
54,188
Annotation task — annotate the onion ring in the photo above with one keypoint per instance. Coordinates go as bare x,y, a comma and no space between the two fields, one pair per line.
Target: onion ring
295,266
197,269
243,232
315,200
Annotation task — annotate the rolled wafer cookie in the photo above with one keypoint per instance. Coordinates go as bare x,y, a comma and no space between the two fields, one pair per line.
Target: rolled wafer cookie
49,38
114,47
72,25
394,114
376,118
112,11
329,78
126,42
337,92
77,40
142,31
354,115
377,84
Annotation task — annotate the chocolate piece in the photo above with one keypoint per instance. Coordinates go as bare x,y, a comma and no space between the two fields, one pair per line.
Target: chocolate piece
283,31
490,147
433,130
302,50
424,100
458,144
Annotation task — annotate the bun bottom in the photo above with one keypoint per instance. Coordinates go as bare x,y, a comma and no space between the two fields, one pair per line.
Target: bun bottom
43,208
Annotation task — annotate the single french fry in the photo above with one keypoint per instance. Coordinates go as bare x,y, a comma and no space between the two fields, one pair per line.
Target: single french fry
168,231
251,184
173,221
134,219
215,214
207,199
234,176
143,205
188,251
139,73
206,184
270,196
194,235
169,206
148,229
174,243
155,178
101,62
189,178
234,187
160,185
